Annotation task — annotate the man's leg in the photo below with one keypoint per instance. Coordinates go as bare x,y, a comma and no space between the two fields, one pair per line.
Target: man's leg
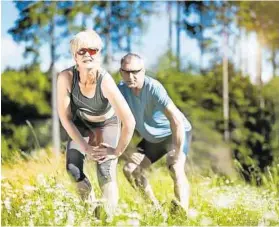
181,183
134,171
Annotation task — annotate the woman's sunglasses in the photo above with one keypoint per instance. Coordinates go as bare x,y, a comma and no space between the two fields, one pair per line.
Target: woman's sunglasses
90,51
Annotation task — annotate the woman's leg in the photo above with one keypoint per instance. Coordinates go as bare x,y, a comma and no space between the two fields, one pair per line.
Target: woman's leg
74,166
106,173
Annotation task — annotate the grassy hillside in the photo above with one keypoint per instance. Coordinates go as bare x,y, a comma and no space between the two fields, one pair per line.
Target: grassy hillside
39,192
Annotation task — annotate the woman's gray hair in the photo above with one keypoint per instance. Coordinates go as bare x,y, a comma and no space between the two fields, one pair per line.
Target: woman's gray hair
84,39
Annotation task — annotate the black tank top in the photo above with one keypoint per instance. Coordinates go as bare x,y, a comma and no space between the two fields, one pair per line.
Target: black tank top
96,106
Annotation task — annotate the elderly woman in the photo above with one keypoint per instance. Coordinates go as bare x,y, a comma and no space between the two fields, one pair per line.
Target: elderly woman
90,108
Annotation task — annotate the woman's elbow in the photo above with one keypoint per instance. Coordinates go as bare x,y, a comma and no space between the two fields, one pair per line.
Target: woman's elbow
129,122
65,122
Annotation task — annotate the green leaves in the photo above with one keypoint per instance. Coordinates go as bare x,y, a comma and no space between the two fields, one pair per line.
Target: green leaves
27,89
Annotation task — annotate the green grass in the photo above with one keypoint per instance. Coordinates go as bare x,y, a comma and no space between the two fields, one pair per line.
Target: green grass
39,192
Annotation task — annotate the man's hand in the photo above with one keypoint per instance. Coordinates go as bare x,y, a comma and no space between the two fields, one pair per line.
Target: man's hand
103,153
172,156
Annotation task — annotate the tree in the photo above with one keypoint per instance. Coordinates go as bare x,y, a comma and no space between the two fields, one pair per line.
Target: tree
262,18
119,23
50,22
40,23
195,28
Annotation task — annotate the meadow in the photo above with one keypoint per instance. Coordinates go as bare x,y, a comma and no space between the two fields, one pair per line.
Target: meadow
38,192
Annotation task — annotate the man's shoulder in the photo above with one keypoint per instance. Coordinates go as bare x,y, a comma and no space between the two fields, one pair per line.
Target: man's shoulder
122,86
152,83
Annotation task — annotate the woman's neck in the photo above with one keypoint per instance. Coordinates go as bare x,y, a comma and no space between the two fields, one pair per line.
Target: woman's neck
87,76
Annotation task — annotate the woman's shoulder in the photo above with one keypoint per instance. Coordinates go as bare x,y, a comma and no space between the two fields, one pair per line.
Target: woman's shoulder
66,72
103,72
66,76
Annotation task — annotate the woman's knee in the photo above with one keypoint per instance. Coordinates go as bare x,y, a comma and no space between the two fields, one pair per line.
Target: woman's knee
74,164
75,172
106,172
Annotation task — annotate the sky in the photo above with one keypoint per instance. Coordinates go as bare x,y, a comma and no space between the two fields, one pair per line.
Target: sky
153,45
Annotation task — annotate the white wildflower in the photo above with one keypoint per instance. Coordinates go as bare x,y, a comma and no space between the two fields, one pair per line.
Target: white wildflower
124,206
41,180
29,188
224,201
133,222
134,215
206,221
59,186
192,213
31,223
121,223
109,219
71,218
7,204
50,190
6,185
97,221
271,216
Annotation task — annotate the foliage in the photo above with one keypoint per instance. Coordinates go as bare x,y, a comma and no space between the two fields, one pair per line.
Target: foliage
39,23
25,96
200,98
52,22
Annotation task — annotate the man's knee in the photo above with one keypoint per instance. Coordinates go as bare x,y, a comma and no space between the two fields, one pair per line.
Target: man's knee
129,168
177,171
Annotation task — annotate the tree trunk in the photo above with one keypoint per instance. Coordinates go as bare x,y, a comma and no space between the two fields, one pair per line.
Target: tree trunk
108,37
52,48
55,118
201,40
225,87
259,64
169,11
259,70
178,28
129,42
273,60
242,55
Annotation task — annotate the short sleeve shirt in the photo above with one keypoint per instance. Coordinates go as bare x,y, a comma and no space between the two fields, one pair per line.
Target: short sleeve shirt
148,110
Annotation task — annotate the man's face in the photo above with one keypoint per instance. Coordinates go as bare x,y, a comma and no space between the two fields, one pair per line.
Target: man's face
132,71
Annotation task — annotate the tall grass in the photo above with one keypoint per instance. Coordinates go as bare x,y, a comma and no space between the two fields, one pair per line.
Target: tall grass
39,192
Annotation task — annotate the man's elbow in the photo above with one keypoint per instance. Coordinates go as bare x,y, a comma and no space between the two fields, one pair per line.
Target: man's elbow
177,122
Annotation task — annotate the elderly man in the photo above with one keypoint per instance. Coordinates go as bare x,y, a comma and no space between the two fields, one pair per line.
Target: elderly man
165,130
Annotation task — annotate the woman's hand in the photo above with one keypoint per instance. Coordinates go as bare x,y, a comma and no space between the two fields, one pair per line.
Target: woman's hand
102,153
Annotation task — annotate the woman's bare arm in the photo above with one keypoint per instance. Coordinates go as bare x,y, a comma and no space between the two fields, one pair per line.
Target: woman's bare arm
122,110
64,110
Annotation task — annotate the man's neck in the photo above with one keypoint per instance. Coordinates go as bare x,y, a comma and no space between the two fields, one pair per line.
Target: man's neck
136,91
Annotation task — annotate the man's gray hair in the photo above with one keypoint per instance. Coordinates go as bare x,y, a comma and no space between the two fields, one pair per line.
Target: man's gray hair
130,55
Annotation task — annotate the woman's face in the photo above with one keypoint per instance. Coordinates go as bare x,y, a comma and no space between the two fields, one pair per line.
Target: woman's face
88,57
